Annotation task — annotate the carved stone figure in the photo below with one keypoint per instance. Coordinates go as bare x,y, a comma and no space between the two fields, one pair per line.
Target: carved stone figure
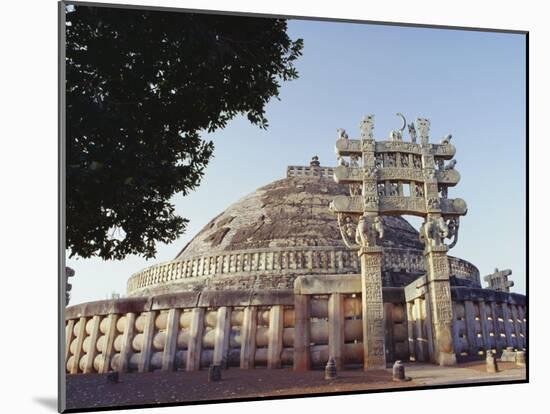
446,139
429,174
371,201
369,229
355,189
404,161
361,232
378,227
418,190
423,125
348,231
453,225
397,134
342,133
371,172
354,160
444,191
412,132
450,165
342,162
367,126
433,203
394,189
433,231
417,161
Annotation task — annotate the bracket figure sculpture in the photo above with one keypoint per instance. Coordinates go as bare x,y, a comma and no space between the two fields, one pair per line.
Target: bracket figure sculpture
433,231
368,231
453,224
376,189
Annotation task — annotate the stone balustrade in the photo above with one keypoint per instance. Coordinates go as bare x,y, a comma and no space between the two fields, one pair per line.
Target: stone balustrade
483,320
191,330
291,261
309,171
302,328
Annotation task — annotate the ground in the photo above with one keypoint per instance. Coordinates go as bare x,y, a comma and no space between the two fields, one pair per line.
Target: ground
87,391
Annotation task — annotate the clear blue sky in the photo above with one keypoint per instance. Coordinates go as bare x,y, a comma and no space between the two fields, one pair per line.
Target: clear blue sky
470,84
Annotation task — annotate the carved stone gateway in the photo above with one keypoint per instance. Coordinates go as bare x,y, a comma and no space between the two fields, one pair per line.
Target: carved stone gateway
397,178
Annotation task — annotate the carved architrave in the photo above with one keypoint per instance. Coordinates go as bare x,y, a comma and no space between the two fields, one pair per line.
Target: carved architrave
428,161
429,174
402,205
448,177
368,146
347,204
446,152
453,206
345,147
370,203
370,187
398,146
401,173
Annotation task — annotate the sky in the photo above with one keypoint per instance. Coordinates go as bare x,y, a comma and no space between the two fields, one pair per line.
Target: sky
470,84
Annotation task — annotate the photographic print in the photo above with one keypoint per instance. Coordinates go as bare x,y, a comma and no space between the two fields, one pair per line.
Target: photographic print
277,207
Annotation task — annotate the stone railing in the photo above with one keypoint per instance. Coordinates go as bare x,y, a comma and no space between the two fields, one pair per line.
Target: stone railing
292,261
464,270
296,260
483,320
188,330
247,329
273,329
308,171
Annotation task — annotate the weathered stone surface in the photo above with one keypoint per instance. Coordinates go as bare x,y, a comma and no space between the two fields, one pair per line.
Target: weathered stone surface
105,307
319,285
175,300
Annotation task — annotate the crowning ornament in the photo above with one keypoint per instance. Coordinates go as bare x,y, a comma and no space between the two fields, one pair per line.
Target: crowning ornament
396,178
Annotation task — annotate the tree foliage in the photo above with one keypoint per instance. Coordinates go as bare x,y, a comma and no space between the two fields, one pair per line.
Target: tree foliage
141,88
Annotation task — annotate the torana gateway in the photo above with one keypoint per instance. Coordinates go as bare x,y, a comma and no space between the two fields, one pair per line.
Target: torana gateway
316,265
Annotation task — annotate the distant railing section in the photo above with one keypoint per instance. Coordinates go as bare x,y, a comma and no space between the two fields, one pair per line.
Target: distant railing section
303,171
